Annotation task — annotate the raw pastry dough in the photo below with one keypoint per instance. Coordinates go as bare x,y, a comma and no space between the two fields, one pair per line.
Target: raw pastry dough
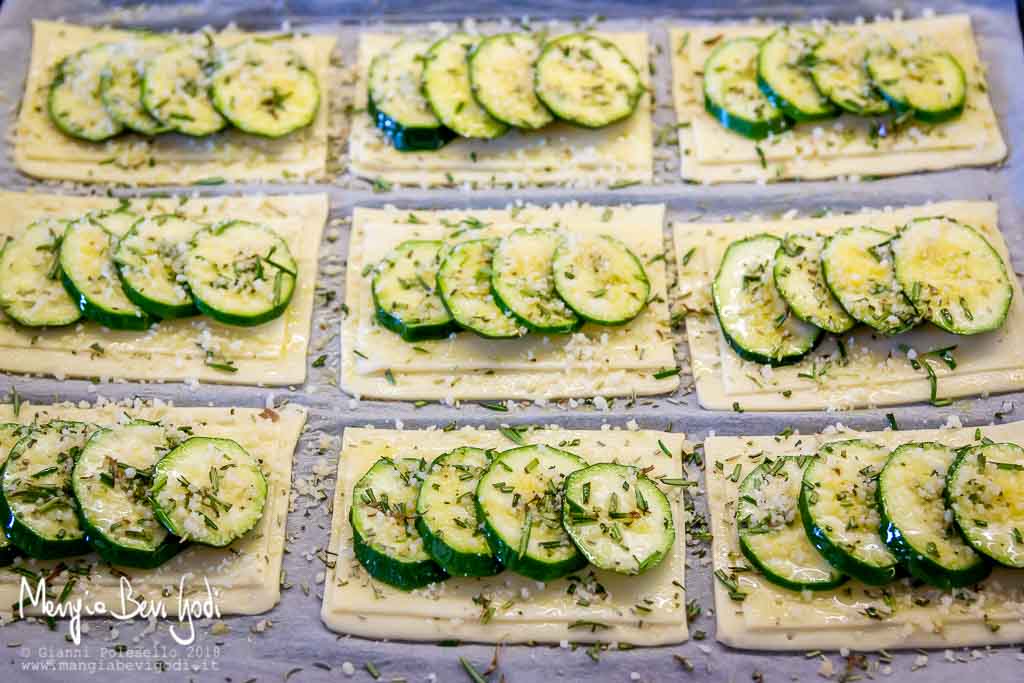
246,577
273,353
773,618
559,153
844,146
877,371
41,150
606,361
525,610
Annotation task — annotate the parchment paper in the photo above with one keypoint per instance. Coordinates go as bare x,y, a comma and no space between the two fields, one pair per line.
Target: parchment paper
296,646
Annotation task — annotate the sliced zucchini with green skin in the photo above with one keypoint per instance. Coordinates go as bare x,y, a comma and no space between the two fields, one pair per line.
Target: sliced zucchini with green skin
121,86
240,273
406,294
783,74
176,90
37,507
31,291
952,275
464,284
74,102
519,500
210,491
753,315
90,277
858,267
396,102
732,95
586,81
771,532
600,279
264,89
799,279
840,510
10,434
838,70
446,515
150,260
385,539
448,90
618,518
111,482
929,84
501,71
916,525
984,488
523,282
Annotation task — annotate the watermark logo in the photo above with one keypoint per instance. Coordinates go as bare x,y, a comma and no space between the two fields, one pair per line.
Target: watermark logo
130,605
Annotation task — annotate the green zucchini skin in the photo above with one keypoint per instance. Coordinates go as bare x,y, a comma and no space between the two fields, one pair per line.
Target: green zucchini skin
402,575
97,314
823,109
917,563
754,128
453,562
527,566
127,557
29,543
406,139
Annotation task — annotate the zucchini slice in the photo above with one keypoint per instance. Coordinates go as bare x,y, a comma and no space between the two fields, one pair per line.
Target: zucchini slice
783,74
88,272
240,273
523,282
952,275
384,533
837,67
929,84
31,291
731,92
501,71
406,292
74,102
519,501
448,90
859,270
121,86
985,487
176,90
211,491
839,508
37,508
753,315
396,102
10,434
111,481
150,260
600,279
771,532
798,277
446,516
264,89
618,518
464,284
916,524
586,81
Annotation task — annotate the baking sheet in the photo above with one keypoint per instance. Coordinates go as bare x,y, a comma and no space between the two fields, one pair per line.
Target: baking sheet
296,639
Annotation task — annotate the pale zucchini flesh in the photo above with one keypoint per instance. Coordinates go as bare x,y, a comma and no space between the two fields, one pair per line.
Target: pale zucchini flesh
264,89
783,73
798,277
618,518
586,80
732,95
176,89
754,318
150,259
121,85
405,292
396,102
210,491
464,284
952,275
74,102
859,269
31,291
448,90
771,530
922,80
523,282
10,434
839,72
600,279
501,71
